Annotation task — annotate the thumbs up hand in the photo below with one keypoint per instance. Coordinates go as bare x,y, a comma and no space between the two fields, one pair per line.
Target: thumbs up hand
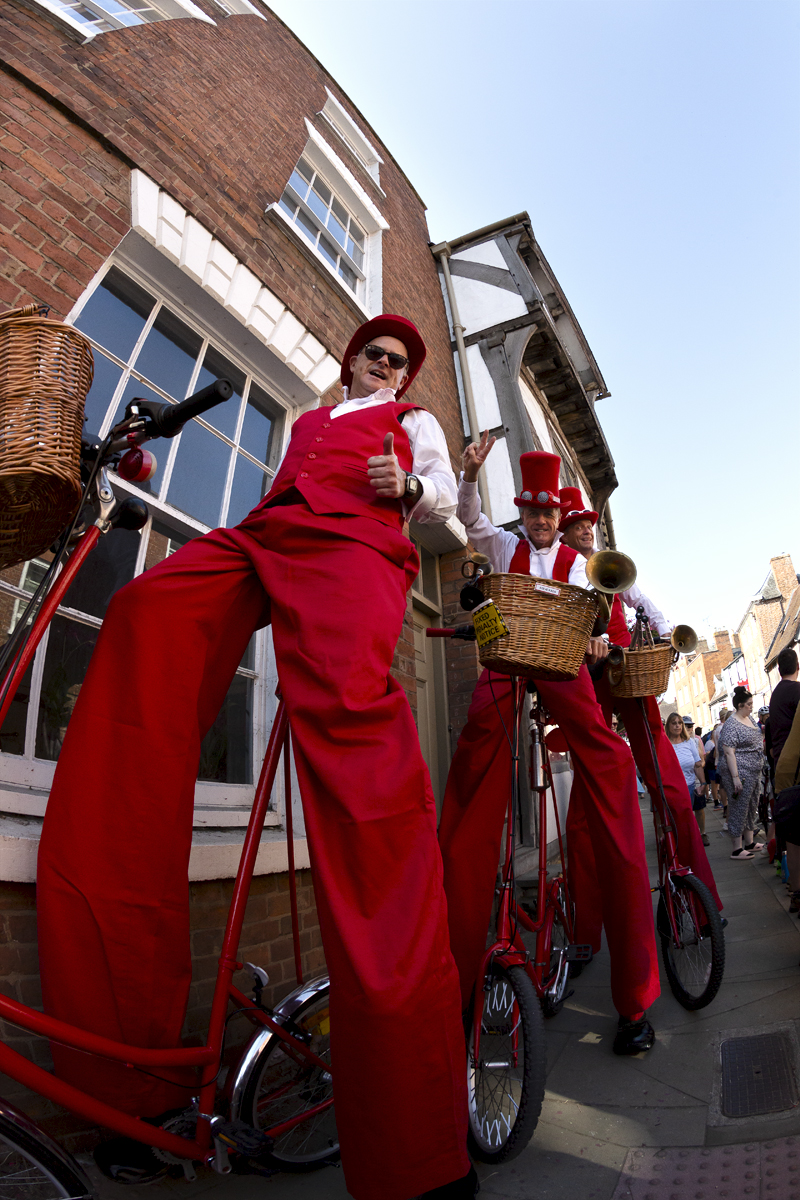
385,473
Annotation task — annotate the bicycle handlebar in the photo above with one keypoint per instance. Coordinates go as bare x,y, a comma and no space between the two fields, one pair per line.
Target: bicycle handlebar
169,419
465,632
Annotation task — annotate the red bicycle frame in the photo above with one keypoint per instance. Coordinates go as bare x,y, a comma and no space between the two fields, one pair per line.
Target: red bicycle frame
508,948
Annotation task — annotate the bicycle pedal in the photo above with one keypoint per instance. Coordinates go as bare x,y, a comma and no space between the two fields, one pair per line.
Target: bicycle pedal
239,1136
578,953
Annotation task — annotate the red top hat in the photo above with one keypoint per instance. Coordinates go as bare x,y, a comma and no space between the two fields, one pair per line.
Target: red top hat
386,325
539,480
573,509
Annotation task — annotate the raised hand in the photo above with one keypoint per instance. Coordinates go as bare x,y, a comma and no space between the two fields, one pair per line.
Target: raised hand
475,456
385,473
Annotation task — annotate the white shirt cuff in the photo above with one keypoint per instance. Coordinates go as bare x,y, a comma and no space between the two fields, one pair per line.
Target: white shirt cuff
427,501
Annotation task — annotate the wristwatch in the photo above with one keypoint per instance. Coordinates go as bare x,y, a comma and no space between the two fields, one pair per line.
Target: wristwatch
413,488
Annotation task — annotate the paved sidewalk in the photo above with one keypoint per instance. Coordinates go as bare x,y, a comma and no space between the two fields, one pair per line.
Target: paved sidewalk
647,1128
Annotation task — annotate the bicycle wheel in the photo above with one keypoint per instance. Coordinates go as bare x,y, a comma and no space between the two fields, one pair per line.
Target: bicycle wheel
506,1081
33,1169
696,966
282,1085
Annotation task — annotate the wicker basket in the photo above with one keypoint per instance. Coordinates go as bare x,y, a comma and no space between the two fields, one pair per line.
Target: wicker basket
46,369
548,623
646,671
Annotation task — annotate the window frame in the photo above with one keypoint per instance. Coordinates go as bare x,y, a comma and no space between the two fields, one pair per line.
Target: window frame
303,204
25,779
350,193
168,10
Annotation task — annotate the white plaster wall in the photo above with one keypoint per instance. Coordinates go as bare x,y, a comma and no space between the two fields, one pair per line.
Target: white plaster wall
500,484
488,253
537,417
487,409
480,305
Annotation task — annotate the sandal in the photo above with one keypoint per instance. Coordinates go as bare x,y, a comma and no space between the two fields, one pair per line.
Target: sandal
741,854
754,846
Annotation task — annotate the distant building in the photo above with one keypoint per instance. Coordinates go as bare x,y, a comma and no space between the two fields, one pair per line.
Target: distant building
787,635
764,616
694,678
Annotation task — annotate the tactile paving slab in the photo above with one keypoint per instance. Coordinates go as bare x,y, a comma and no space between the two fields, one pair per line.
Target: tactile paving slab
758,1075
755,1171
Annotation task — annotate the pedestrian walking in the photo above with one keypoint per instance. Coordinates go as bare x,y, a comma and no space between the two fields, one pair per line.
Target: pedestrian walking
739,757
691,763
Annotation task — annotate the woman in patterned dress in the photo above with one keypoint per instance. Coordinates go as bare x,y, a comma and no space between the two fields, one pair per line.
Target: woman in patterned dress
739,758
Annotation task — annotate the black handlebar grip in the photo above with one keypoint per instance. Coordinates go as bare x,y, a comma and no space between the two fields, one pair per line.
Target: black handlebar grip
171,418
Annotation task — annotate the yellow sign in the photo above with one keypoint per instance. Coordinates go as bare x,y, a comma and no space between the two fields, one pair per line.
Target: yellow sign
488,622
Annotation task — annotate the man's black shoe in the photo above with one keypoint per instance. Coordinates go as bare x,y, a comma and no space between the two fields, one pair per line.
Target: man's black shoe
634,1037
460,1189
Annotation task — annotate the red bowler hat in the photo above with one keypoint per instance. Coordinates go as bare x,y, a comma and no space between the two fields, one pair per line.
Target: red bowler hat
386,325
539,480
573,509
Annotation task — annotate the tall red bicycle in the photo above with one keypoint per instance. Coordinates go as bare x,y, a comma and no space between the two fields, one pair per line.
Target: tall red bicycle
275,1111
519,986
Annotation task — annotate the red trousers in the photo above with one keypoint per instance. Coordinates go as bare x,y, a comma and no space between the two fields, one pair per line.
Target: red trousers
113,893
608,871
691,851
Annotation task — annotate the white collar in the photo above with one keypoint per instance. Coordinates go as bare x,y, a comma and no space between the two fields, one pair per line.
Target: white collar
381,395
546,549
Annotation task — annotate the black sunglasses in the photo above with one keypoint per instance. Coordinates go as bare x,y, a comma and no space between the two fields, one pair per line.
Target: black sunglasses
376,353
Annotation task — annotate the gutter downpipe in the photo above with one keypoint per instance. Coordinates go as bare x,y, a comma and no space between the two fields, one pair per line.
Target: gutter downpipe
442,252
609,520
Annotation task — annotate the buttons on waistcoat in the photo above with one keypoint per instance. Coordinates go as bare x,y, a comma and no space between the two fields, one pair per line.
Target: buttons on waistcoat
326,424
317,439
312,455
304,474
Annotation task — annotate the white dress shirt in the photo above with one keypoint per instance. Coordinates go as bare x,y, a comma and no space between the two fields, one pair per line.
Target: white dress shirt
429,454
499,545
634,597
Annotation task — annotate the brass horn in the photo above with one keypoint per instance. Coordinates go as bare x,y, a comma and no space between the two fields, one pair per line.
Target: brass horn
684,639
611,572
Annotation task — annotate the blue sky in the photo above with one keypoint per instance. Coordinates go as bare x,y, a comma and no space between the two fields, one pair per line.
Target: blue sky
655,145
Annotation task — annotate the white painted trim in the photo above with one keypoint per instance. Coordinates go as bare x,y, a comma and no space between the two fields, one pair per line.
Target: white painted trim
350,190
213,855
338,117
276,210
158,218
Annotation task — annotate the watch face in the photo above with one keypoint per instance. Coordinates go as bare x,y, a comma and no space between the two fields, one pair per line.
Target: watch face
412,485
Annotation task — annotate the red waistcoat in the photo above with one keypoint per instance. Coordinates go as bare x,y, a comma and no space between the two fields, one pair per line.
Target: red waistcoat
618,632
521,562
327,461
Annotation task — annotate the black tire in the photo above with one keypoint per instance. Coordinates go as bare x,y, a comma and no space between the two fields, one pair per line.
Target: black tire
695,968
311,1144
506,1083
29,1170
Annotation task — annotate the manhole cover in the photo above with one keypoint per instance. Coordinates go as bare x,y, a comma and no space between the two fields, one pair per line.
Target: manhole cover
758,1075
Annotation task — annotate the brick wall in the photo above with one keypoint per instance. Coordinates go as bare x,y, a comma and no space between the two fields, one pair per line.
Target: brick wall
64,201
266,941
215,115
785,574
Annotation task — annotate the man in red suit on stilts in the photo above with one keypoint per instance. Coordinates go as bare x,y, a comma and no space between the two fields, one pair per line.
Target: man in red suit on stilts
604,823
323,557
577,531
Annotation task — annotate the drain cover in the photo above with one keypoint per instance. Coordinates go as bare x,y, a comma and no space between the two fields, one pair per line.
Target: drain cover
758,1075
